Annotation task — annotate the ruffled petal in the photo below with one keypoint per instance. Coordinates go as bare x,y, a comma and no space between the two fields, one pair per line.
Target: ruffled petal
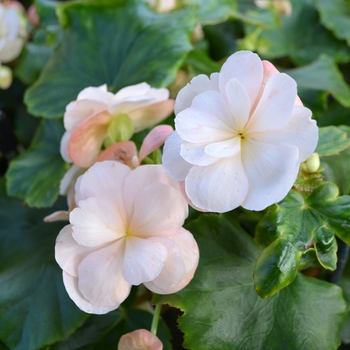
100,278
122,152
158,210
172,161
197,85
143,260
97,221
247,68
224,149
64,147
271,170
69,179
154,139
97,94
86,141
207,120
194,153
141,89
219,187
276,104
301,132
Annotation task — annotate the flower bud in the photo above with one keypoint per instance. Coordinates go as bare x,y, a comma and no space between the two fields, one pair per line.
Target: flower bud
5,77
313,163
139,340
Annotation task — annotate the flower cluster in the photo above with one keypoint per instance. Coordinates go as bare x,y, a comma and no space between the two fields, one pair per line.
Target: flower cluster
126,230
240,136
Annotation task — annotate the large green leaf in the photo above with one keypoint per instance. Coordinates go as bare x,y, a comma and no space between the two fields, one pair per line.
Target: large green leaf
35,174
323,75
335,15
300,222
35,309
345,284
222,310
332,140
117,46
301,37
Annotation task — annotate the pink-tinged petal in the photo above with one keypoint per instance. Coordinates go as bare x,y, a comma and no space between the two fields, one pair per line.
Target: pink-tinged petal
64,147
174,267
71,285
150,115
271,170
190,256
219,187
68,253
172,161
99,94
61,215
194,153
100,277
100,181
158,210
142,177
155,138
97,221
239,103
197,85
301,132
224,149
207,120
276,104
184,194
69,179
87,139
143,260
140,339
122,152
79,111
247,68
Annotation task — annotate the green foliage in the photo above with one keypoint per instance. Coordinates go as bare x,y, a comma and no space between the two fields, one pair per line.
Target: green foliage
122,46
35,309
332,140
35,174
345,284
222,310
294,225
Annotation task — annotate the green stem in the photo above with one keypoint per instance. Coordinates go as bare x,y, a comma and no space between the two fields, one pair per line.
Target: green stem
155,320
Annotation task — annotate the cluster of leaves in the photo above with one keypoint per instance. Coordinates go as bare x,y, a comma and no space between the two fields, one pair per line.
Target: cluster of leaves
248,292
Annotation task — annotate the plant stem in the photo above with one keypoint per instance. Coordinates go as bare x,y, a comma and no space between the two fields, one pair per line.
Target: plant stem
155,320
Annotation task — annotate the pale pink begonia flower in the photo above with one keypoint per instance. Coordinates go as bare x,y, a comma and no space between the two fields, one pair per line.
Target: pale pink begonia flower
13,31
126,230
240,136
141,339
87,119
162,5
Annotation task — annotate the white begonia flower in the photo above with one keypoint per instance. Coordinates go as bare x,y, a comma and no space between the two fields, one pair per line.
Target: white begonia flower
12,33
126,230
240,136
87,119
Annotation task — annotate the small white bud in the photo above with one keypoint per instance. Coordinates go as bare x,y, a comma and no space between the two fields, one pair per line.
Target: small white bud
313,163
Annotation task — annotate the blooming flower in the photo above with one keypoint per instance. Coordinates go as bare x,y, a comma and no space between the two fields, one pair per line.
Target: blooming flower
126,230
240,136
140,339
12,32
162,5
87,119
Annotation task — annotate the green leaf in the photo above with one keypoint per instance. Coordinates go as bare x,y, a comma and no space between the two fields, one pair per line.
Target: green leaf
35,174
301,37
332,140
121,128
335,15
121,46
345,284
326,248
198,62
323,75
35,309
222,310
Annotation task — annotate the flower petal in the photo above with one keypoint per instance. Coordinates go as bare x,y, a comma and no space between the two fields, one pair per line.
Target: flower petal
190,257
194,153
301,132
96,94
100,277
247,68
197,85
87,139
154,139
143,260
64,147
172,161
271,172
140,339
158,210
130,91
69,179
122,152
224,149
71,285
207,120
97,221
219,187
276,104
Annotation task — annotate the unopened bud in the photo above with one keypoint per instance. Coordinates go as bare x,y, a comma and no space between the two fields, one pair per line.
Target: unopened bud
139,340
5,77
313,163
